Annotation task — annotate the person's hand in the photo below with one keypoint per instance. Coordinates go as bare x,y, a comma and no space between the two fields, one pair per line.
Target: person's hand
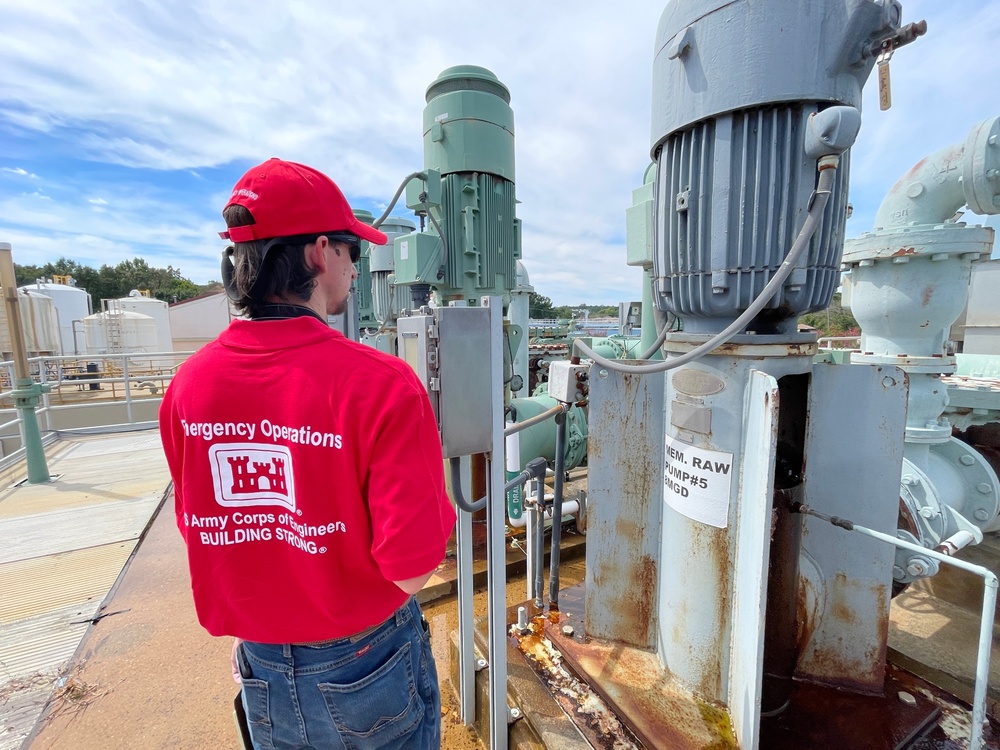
236,666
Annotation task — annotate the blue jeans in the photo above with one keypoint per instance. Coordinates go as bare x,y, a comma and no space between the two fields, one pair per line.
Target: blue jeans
378,690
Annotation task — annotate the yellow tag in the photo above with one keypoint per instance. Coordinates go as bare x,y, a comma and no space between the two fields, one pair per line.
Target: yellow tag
884,94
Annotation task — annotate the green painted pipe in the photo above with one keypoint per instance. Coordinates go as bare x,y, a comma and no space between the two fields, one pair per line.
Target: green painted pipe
540,439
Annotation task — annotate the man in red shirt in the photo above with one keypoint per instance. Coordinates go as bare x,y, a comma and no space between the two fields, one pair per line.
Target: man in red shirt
308,484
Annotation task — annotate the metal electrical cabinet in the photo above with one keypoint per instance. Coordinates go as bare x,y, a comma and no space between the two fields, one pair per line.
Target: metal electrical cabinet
449,349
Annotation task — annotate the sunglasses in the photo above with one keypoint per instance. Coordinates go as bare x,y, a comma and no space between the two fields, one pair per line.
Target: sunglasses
347,238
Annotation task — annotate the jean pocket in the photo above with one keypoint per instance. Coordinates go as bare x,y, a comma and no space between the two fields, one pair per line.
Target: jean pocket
258,713
379,708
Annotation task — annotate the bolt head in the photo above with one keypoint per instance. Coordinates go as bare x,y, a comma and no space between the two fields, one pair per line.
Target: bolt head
916,569
967,460
567,630
984,488
982,514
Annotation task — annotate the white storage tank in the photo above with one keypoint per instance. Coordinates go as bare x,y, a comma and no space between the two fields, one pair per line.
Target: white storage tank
154,308
119,332
72,305
40,323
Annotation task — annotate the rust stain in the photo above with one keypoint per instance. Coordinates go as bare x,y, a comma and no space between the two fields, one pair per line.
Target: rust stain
642,693
644,582
905,251
714,566
840,608
860,673
805,616
824,717
926,295
627,571
627,528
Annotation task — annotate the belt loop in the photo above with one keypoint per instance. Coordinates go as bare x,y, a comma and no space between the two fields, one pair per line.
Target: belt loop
286,650
402,612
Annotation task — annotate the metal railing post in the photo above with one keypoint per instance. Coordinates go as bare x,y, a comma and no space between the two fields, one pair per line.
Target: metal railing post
26,392
991,584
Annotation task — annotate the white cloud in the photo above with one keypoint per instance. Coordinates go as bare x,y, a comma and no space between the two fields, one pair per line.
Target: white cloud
20,172
190,86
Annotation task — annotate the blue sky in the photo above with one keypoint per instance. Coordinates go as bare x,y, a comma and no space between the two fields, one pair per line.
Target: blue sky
124,125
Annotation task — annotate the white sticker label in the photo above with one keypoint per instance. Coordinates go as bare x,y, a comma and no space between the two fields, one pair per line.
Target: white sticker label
697,482
404,249
441,117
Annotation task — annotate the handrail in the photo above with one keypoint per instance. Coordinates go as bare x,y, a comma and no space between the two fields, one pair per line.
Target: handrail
990,584
826,339
156,368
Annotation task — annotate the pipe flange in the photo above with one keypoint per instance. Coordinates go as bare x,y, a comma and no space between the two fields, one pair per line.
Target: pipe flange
903,243
981,168
921,498
901,575
980,503
933,434
941,364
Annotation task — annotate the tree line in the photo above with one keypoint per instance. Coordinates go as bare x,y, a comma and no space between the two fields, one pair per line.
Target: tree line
540,307
112,282
833,321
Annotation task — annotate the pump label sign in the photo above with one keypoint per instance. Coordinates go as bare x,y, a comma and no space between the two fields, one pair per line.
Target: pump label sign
697,482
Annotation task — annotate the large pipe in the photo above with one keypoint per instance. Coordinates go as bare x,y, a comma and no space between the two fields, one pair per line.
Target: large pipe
964,173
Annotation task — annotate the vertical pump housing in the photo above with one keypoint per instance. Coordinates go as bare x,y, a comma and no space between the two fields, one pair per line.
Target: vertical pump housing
730,137
473,242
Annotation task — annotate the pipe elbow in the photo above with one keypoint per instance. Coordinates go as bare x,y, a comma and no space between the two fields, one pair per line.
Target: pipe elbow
965,173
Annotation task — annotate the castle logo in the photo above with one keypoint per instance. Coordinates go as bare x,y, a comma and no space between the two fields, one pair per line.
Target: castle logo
252,474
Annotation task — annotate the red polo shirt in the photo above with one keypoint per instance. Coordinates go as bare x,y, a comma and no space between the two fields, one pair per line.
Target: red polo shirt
307,477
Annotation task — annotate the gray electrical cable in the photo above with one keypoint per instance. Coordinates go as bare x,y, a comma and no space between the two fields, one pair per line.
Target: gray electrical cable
660,338
392,204
801,244
444,245
534,468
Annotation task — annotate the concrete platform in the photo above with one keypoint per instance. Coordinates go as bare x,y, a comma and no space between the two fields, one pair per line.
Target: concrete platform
139,671
63,544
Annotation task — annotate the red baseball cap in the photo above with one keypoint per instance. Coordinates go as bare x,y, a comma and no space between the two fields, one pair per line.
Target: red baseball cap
287,199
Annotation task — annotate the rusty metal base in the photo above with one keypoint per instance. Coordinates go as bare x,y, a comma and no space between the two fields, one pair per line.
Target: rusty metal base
632,682
660,715
824,717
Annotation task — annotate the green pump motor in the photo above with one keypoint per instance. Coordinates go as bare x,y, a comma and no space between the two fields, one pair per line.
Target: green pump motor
473,241
363,284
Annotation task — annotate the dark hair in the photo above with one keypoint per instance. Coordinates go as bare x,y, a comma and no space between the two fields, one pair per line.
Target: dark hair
281,273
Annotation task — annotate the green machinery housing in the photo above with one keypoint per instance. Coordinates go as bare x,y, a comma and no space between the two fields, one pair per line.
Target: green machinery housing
472,239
